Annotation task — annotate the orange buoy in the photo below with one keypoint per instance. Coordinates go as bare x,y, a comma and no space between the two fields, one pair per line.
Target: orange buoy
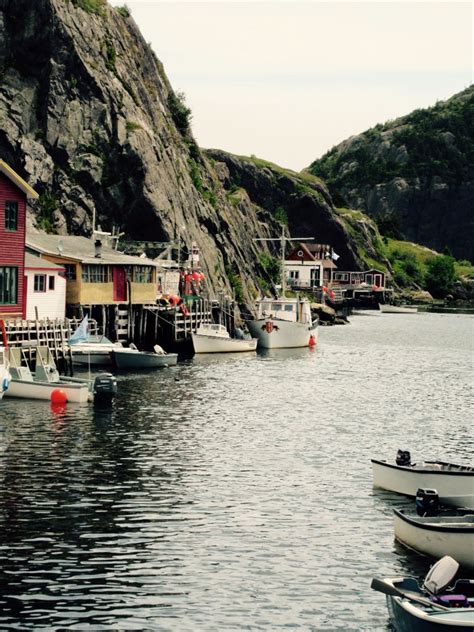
312,341
58,396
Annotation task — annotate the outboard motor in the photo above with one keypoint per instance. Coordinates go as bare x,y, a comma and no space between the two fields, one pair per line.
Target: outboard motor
105,389
427,502
403,458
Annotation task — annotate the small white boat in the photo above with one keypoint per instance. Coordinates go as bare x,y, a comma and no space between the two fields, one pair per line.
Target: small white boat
454,483
397,309
95,351
214,338
132,358
45,380
283,323
433,607
5,376
436,536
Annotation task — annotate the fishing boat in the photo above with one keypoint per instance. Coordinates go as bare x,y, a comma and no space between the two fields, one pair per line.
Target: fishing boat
397,309
432,607
214,338
5,376
283,323
436,536
45,379
131,358
454,483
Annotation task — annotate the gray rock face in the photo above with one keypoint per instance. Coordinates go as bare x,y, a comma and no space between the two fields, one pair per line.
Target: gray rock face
86,119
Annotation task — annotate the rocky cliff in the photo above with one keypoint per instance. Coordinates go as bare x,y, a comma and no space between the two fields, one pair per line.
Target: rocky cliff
415,175
88,117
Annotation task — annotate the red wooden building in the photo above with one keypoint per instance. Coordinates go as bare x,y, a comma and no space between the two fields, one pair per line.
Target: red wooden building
14,192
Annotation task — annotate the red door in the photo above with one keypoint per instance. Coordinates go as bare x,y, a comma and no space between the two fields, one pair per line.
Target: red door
120,284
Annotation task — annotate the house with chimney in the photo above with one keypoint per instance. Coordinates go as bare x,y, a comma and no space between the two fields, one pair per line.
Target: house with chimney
14,196
96,274
309,266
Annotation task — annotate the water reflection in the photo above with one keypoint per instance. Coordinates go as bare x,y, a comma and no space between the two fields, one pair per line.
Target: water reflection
230,491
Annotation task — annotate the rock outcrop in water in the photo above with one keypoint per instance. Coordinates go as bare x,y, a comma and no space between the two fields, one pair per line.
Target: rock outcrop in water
89,118
415,175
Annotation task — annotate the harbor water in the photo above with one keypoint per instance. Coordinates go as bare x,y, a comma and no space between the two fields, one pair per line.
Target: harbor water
231,492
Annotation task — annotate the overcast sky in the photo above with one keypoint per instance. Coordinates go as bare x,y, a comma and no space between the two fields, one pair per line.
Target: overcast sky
287,81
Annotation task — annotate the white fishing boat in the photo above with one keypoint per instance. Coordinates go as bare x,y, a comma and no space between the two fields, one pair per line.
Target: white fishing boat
132,358
433,607
214,338
45,380
283,323
454,483
436,536
94,351
397,309
5,376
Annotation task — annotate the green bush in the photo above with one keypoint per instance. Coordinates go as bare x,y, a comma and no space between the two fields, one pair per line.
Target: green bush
272,267
124,11
281,216
91,6
440,276
180,112
235,283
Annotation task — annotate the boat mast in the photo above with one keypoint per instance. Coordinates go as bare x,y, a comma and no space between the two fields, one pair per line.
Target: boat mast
283,239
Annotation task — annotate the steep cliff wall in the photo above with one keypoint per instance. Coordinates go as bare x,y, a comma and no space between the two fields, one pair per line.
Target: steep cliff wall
88,117
414,174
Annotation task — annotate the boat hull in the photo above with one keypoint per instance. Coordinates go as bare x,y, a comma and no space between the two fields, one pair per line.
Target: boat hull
406,616
455,487
94,358
437,537
77,393
214,344
273,333
142,360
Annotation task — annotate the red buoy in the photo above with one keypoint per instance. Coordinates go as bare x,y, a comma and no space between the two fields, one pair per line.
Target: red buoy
58,396
312,341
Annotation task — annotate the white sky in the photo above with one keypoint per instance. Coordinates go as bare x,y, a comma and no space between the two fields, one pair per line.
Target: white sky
287,81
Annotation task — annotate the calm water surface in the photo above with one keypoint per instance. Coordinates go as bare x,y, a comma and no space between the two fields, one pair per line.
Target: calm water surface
230,493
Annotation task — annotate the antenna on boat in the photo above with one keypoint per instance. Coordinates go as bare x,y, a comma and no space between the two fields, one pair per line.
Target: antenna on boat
283,239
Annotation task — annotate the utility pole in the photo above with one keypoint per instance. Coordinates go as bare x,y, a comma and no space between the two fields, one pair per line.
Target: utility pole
283,239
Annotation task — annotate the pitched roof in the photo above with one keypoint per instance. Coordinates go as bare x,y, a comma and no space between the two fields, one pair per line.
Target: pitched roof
37,263
17,180
81,249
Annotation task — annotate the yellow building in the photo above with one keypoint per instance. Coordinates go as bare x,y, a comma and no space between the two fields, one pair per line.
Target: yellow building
97,274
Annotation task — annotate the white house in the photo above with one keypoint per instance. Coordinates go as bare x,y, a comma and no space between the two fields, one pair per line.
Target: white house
309,265
45,288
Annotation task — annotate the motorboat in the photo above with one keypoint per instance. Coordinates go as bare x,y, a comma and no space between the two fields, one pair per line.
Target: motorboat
283,323
436,536
454,483
432,607
397,309
94,351
131,358
5,375
46,379
214,338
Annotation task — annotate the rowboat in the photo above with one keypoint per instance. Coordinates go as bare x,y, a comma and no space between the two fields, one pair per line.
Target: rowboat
131,358
397,309
214,338
434,607
454,483
436,536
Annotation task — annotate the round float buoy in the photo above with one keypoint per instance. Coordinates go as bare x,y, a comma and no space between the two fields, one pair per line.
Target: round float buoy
58,396
312,341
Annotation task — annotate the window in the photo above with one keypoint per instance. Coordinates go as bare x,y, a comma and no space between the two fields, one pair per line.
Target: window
8,285
40,283
142,274
92,273
70,271
369,279
11,215
341,276
294,274
51,283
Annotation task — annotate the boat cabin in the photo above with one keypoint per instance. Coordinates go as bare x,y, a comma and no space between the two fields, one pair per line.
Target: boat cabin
293,310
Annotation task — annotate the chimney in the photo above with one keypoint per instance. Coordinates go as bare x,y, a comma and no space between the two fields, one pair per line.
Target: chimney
98,248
